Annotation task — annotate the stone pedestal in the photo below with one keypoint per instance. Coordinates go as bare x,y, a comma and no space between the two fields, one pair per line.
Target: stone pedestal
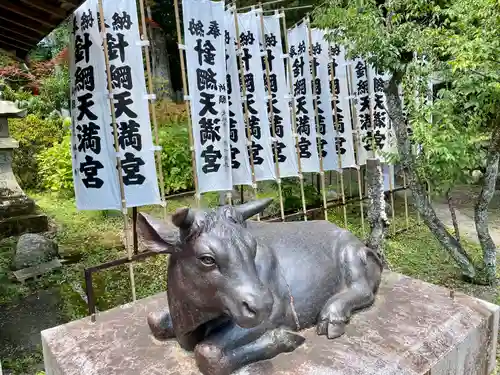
414,328
17,211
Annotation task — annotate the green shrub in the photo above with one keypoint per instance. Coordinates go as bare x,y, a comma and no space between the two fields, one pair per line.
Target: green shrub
176,158
34,135
55,168
54,91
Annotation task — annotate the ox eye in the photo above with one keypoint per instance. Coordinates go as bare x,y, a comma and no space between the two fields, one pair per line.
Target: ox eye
207,260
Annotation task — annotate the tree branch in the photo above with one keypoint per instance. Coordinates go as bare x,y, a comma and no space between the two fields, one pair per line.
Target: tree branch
408,164
485,75
482,203
453,215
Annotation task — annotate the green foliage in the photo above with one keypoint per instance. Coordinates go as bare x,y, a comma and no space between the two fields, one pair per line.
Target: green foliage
459,39
55,167
292,197
54,95
41,129
52,44
33,134
176,158
54,90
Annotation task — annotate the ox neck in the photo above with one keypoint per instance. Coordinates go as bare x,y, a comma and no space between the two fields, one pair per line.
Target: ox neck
186,317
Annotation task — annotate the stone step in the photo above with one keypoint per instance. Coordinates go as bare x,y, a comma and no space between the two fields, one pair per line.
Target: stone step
36,271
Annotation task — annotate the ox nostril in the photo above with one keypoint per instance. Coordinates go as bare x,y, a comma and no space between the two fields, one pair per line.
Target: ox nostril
249,310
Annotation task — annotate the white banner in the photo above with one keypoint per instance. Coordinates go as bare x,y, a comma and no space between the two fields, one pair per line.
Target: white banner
302,91
389,177
240,162
343,122
93,157
130,104
204,37
285,146
383,134
249,28
361,91
326,126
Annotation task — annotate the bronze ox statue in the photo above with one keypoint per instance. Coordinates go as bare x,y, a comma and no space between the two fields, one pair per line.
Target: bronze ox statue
238,290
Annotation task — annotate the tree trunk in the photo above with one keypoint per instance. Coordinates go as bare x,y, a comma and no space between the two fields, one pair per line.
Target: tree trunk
481,208
377,216
451,206
161,66
408,164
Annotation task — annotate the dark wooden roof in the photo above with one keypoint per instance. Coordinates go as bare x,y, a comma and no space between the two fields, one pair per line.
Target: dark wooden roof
24,23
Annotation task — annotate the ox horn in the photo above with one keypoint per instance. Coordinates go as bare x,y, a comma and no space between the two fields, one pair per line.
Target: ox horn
247,210
183,218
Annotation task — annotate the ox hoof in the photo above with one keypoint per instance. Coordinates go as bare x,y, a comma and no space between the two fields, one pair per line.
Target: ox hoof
288,341
160,325
210,360
331,329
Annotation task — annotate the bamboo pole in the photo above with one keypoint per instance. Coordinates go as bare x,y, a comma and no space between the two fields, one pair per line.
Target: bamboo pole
117,150
354,119
260,5
294,119
406,201
271,115
245,103
391,193
188,106
152,109
291,8
316,116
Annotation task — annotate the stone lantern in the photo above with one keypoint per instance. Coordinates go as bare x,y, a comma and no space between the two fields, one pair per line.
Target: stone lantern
17,211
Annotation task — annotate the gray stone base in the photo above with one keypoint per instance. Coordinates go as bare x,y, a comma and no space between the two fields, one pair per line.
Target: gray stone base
414,328
15,226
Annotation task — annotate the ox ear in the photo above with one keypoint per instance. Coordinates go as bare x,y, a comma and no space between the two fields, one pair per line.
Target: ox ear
157,235
247,210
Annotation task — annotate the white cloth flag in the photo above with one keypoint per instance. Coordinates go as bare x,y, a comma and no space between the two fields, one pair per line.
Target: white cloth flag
286,149
325,114
130,104
204,26
343,121
389,178
240,163
302,91
249,26
383,135
93,157
363,109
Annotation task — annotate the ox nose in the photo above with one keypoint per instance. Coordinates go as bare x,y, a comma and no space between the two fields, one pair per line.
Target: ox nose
257,306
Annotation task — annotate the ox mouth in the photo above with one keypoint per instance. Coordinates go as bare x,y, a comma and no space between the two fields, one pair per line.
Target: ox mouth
247,322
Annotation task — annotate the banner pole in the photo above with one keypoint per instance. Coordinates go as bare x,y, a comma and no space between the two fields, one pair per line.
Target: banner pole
271,115
406,201
188,106
152,108
391,192
245,103
294,119
307,22
117,150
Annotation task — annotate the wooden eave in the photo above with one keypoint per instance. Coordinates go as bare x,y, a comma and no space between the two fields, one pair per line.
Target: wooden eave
24,23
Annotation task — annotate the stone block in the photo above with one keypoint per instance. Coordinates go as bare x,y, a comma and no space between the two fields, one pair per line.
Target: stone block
414,328
15,226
